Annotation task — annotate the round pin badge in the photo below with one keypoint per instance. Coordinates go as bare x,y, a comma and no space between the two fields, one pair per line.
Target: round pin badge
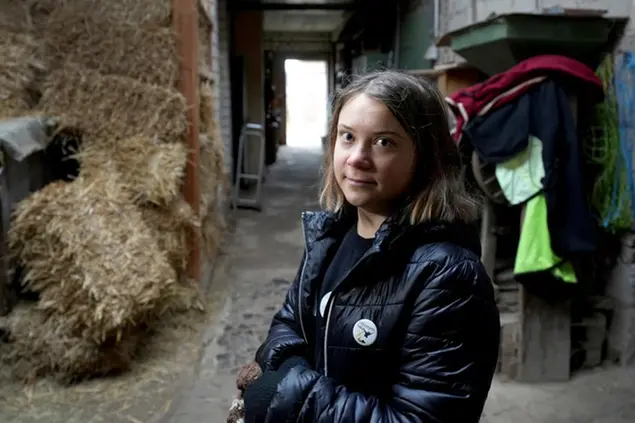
324,302
365,332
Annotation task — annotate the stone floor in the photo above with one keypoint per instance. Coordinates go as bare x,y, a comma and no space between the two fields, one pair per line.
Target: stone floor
264,254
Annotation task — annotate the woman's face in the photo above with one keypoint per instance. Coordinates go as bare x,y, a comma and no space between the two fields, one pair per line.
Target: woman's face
374,157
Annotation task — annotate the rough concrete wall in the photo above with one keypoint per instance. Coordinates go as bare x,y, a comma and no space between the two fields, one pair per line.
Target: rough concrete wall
621,289
221,88
460,13
416,32
628,42
445,55
621,284
298,42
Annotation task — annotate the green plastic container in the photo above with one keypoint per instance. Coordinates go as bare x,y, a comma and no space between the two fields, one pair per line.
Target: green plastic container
499,43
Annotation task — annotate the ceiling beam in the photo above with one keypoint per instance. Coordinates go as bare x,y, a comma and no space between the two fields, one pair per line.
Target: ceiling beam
250,5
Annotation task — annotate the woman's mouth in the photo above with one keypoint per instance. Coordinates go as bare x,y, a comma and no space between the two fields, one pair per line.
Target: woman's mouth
360,182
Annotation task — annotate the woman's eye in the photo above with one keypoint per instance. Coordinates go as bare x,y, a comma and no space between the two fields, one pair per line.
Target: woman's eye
384,142
347,136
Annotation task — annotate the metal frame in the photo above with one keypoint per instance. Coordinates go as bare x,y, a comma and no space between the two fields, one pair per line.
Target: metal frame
258,131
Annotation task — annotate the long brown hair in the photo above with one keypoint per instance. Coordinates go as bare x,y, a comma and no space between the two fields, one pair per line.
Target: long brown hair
437,191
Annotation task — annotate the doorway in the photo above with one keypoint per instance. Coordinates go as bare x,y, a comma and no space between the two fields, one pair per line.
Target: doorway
306,89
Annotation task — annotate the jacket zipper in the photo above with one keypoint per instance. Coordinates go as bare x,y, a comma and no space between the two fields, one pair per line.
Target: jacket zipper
300,282
326,334
330,304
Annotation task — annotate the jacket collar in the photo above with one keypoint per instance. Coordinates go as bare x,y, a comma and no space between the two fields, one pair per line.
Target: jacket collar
324,224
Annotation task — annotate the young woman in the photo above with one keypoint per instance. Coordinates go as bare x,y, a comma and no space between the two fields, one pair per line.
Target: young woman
391,317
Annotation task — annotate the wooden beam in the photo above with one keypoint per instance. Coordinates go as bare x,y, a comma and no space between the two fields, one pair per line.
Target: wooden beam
544,338
489,239
185,13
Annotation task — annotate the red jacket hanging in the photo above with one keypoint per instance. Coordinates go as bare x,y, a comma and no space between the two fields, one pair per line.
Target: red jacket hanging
504,87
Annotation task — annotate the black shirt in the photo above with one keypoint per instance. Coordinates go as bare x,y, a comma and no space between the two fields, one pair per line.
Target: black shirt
349,252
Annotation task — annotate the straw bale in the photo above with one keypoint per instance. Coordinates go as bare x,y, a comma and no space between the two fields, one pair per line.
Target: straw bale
39,8
212,170
213,181
41,345
212,231
171,226
207,109
115,107
15,15
151,171
142,13
148,55
20,68
88,252
14,106
204,40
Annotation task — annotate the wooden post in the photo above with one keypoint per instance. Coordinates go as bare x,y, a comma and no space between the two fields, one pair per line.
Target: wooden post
185,17
545,333
488,238
544,339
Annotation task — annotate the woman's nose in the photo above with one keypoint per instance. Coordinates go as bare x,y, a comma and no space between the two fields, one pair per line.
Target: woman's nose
359,156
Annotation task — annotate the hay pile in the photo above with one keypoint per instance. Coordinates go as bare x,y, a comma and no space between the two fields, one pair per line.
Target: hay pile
108,251
41,345
141,13
15,16
20,68
172,224
204,38
149,56
91,256
147,170
113,106
23,61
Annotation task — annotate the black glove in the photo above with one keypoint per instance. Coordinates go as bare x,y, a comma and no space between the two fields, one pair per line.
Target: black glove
260,393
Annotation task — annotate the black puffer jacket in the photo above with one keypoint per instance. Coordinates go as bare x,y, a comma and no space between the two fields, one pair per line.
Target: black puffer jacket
423,297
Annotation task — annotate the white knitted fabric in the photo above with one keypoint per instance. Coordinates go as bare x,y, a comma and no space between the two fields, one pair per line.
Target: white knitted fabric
237,409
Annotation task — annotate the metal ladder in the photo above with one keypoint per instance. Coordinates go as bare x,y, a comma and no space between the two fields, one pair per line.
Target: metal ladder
252,202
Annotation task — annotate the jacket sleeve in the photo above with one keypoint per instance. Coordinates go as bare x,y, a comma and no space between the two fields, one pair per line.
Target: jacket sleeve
284,339
446,364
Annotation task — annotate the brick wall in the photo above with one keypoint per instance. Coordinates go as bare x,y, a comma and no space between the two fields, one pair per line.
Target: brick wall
220,70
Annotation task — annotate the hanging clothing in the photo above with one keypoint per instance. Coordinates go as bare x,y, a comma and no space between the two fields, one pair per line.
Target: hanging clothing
520,178
505,87
534,248
545,113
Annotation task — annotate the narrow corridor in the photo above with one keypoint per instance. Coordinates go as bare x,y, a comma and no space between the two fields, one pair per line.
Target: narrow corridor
263,256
